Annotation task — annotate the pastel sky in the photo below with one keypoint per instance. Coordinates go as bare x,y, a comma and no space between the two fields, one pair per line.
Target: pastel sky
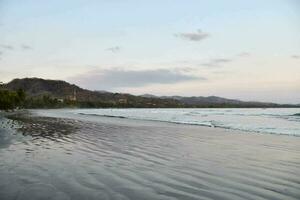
249,50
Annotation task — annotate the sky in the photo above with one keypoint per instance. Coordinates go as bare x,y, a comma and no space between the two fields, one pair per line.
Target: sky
248,50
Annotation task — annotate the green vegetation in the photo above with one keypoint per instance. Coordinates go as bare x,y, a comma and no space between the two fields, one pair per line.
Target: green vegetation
41,93
46,101
11,99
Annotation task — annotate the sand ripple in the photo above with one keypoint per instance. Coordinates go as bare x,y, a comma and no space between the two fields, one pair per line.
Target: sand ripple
73,159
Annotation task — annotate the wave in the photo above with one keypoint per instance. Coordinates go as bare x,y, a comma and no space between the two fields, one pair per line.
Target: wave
118,162
113,116
206,123
297,114
156,120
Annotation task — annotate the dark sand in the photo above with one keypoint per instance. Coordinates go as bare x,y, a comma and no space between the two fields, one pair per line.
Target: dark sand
61,156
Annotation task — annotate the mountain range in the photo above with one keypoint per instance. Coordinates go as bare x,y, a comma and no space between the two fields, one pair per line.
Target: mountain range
36,88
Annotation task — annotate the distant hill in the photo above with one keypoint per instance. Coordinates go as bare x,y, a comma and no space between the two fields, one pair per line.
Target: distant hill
36,88
214,100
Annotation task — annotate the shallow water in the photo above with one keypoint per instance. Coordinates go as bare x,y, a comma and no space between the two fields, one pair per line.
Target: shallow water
91,157
272,120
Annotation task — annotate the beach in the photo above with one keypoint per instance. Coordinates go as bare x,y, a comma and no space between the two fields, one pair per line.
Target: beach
52,154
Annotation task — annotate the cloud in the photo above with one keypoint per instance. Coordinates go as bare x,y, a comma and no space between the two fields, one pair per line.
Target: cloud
296,56
244,54
193,36
118,78
7,47
216,62
26,47
185,69
114,49
221,60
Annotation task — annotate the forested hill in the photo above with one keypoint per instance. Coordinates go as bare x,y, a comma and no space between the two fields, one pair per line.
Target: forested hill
38,86
56,93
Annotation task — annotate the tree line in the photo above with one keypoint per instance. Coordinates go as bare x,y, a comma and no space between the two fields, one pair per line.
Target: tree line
11,99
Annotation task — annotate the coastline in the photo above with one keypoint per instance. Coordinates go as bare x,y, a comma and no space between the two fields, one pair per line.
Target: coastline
262,121
95,157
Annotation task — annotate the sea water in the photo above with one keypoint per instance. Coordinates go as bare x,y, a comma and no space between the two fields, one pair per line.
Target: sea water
81,154
271,120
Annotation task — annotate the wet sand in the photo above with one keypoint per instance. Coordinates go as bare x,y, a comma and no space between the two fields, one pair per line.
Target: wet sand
53,155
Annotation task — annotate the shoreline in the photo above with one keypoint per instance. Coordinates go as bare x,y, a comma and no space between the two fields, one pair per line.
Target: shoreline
38,114
139,123
134,159
122,119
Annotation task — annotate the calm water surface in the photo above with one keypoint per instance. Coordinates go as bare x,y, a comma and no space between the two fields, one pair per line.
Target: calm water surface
64,155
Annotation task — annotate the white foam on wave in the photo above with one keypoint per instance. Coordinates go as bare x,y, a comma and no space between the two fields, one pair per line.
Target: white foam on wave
274,121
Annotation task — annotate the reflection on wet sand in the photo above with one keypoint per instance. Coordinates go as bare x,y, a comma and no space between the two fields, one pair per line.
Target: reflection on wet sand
65,158
43,126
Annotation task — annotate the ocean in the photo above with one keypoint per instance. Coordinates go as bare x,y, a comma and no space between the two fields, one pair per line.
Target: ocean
272,120
151,154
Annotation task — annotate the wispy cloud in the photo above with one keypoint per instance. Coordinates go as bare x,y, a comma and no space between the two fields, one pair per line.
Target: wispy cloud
193,36
114,49
185,69
216,62
26,47
11,47
118,78
6,46
296,56
244,54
